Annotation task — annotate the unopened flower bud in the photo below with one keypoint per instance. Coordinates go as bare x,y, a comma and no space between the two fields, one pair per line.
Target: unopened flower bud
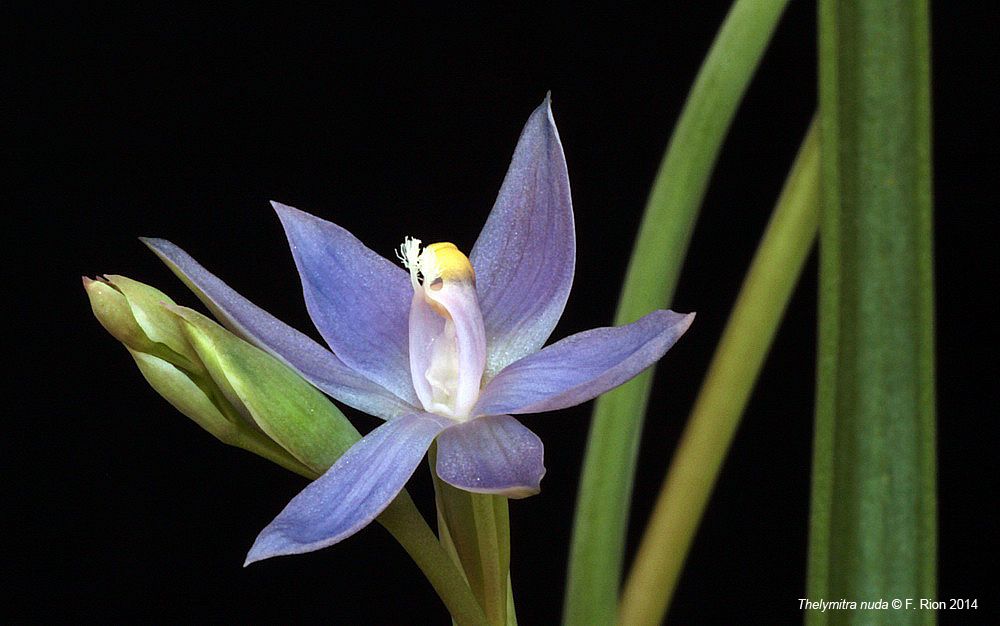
238,393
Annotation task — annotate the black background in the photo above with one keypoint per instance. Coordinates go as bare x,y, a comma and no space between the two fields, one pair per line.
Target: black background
182,123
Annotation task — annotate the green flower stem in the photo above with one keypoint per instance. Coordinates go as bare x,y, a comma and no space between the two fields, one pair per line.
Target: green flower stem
873,519
596,552
475,531
493,532
404,521
731,376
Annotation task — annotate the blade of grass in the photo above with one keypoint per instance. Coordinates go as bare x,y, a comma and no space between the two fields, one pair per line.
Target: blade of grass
873,524
731,376
597,547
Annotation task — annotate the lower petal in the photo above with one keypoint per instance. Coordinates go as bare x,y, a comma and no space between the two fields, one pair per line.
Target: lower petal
353,491
494,454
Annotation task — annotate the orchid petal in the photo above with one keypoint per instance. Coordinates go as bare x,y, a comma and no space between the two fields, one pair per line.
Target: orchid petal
526,253
352,493
494,454
314,362
582,366
358,300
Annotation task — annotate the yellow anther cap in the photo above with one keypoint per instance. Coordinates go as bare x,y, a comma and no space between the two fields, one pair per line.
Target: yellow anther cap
447,261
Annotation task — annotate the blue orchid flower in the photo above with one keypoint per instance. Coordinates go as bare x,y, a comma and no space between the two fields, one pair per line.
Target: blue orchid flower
445,348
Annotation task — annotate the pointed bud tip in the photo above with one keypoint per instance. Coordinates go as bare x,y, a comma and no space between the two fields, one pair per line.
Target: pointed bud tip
96,282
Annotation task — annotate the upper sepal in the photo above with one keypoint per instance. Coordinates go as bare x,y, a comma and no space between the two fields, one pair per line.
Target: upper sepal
525,255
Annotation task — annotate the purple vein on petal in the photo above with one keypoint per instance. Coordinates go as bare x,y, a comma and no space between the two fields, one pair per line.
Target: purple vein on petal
358,300
353,491
526,253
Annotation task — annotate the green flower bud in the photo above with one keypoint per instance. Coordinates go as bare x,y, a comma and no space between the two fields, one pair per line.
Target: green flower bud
240,394
287,408
185,395
132,313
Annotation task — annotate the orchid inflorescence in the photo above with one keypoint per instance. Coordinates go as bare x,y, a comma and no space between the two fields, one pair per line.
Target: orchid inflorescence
445,348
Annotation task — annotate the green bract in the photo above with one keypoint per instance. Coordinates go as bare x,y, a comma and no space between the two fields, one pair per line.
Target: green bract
238,393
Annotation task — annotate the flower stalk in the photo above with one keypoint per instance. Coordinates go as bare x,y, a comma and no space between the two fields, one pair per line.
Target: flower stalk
493,532
475,530
402,519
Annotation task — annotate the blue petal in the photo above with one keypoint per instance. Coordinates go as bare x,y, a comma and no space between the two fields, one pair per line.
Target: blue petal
526,254
353,491
314,362
494,454
359,301
582,366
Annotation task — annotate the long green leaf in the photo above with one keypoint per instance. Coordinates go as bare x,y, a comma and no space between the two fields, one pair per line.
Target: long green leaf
873,526
596,553
731,377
